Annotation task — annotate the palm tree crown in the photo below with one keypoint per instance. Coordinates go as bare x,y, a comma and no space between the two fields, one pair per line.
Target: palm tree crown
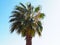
26,20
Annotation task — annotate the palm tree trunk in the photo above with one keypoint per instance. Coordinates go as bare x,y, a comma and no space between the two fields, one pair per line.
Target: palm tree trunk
28,40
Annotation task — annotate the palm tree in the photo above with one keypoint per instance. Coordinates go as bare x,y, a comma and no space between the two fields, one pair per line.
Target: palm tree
26,20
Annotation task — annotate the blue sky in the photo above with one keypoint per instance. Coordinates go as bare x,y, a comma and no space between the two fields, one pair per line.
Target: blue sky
51,23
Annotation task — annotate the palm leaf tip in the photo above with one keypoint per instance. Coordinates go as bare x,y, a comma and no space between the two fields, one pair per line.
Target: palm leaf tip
11,30
12,20
18,31
37,9
42,15
22,5
38,31
29,5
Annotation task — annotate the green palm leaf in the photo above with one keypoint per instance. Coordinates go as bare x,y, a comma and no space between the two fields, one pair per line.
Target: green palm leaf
23,5
37,9
42,15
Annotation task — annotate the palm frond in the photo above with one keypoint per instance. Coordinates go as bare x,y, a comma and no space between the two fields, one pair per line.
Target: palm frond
37,9
40,25
38,31
30,8
32,32
23,5
15,14
16,26
13,19
13,27
21,9
42,15
19,30
29,5
23,33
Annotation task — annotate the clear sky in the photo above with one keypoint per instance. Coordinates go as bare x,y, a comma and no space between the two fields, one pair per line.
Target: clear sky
51,23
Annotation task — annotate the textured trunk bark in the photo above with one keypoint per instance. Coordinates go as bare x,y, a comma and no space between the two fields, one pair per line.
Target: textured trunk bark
28,40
